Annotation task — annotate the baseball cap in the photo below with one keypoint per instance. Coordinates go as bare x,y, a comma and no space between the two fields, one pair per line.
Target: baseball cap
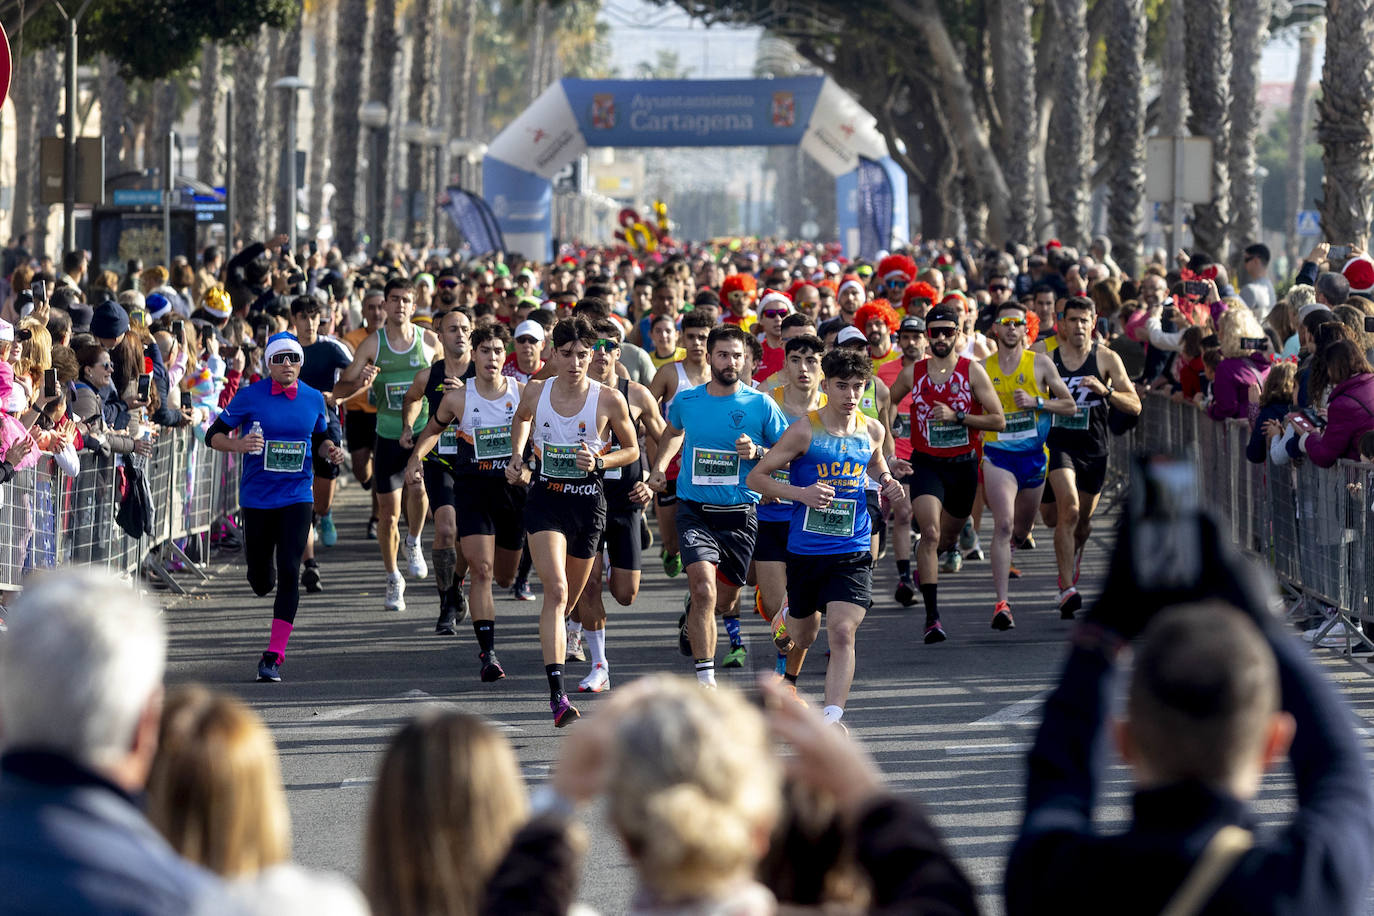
850,335
912,323
530,329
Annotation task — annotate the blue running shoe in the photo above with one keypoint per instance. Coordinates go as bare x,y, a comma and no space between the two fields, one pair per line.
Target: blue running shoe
329,535
269,669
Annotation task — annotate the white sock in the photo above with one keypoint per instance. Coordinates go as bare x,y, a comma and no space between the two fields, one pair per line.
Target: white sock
706,674
412,541
833,713
596,641
394,574
573,628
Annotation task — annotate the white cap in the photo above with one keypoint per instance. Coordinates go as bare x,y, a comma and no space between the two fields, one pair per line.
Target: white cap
809,262
831,267
773,298
530,329
281,342
780,262
849,333
548,305
852,284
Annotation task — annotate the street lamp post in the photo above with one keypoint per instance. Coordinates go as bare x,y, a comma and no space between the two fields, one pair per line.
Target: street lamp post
290,85
69,130
416,136
373,116
438,138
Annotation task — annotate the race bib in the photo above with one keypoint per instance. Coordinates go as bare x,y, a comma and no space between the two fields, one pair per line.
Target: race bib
493,442
558,462
372,397
782,475
1077,421
947,434
1020,425
901,427
396,395
448,441
613,473
715,468
284,456
835,520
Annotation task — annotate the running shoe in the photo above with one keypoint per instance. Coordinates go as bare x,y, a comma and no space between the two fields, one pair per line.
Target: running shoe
758,606
269,668
372,529
1013,572
329,535
1001,617
575,648
684,643
952,562
597,681
976,554
1026,543
458,601
415,555
935,632
844,729
906,592
735,657
672,564
967,536
789,692
447,624
521,591
563,711
395,593
1069,602
310,578
781,639
491,667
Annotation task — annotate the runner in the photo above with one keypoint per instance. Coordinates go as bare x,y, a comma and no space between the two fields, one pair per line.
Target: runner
1015,459
798,395
946,391
670,381
721,428
878,321
275,491
569,420
360,413
324,359
468,439
737,293
386,363
875,403
1097,381
526,358
851,295
911,340
664,335
827,454
773,309
626,497
426,390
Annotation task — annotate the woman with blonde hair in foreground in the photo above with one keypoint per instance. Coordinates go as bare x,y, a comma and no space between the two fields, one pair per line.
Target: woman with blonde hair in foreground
215,792
448,800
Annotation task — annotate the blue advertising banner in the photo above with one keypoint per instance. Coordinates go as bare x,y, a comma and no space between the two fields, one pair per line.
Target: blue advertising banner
875,209
636,113
474,219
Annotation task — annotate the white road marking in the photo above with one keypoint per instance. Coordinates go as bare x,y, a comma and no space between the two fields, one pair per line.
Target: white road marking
974,750
1018,712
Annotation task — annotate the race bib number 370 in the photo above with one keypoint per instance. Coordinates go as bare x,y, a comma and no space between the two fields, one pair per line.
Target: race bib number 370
558,462
715,468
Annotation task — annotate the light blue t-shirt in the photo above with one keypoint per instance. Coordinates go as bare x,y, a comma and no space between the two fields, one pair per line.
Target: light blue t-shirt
282,475
712,472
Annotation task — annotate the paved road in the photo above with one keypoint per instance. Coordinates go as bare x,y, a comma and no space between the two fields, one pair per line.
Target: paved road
948,723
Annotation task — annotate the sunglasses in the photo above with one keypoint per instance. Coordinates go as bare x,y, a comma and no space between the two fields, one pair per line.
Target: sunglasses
999,288
894,284
775,313
104,365
1010,322
283,359
526,339
605,346
448,284
937,333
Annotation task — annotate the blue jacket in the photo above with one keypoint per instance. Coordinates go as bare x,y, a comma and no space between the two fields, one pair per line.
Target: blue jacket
72,842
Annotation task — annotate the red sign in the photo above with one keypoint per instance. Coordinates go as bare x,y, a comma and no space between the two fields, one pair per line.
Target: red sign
6,65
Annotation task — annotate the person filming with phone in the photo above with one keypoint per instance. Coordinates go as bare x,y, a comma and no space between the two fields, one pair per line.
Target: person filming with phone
1219,693
1342,379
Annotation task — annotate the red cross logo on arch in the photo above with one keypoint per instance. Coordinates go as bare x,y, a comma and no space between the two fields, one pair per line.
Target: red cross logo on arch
537,134
847,130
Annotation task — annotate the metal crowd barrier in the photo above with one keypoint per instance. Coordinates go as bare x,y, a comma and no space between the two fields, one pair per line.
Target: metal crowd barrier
1313,526
49,518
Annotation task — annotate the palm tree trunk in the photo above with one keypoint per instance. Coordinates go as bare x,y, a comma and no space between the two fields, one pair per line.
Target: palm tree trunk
25,149
165,112
209,148
1249,32
321,105
1345,121
464,125
1207,39
1299,128
422,108
1173,93
114,108
1070,134
382,88
250,77
287,104
538,30
1123,90
346,133
47,100
1014,71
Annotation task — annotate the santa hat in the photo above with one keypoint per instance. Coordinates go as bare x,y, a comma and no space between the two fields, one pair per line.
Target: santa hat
1359,273
850,280
773,298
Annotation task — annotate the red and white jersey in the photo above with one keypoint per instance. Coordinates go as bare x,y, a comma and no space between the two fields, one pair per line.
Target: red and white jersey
941,438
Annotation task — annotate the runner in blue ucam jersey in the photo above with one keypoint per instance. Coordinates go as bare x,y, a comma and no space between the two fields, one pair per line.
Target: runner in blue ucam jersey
721,428
829,455
276,491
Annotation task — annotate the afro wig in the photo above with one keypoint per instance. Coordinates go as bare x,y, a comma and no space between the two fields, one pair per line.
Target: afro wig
878,308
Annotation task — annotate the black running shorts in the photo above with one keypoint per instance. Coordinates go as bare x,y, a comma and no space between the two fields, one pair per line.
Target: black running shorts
815,581
580,519
438,485
621,537
953,481
1090,474
771,545
389,464
490,507
723,536
360,429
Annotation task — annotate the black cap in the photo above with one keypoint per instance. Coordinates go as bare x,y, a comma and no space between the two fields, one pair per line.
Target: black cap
706,297
912,323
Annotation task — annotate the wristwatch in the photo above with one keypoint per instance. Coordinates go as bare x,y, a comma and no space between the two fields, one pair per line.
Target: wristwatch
1110,390
600,463
1040,403
959,416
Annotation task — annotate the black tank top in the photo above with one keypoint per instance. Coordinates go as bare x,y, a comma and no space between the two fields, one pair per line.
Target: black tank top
619,481
1086,433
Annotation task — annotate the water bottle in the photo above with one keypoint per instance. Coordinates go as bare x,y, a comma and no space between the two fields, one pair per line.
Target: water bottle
256,430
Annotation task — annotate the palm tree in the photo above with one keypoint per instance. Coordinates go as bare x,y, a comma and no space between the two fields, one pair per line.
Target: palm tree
1249,32
1123,92
1014,71
321,102
351,73
382,88
1299,125
250,78
1207,39
286,102
422,108
209,149
47,100
26,148
1066,159
1345,121
1173,94
114,107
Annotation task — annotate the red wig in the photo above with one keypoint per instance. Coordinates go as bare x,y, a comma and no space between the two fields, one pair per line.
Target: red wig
896,264
918,290
797,287
878,308
740,281
1032,326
